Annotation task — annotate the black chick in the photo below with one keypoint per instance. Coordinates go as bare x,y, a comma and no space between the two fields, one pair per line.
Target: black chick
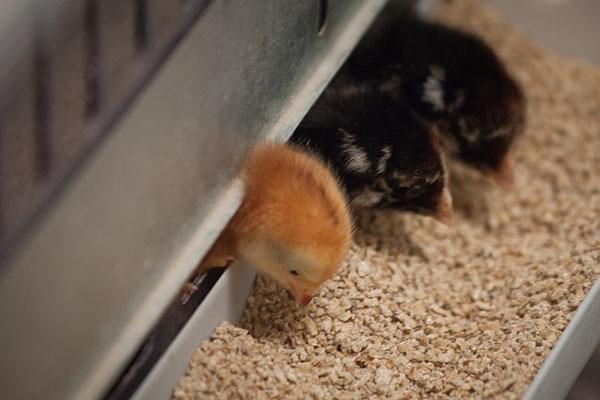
453,80
383,153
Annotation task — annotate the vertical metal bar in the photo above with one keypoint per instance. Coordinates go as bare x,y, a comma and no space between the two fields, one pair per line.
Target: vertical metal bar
117,51
18,142
41,76
164,20
141,25
323,8
66,47
2,216
93,66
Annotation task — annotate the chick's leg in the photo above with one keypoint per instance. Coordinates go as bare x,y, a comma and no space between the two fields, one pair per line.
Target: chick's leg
220,255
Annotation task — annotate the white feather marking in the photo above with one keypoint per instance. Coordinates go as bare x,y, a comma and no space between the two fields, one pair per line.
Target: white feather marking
356,159
404,180
433,178
504,131
433,92
387,152
367,198
472,135
458,102
382,185
391,85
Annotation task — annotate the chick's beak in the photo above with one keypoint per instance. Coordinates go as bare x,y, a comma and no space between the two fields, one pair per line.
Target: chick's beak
305,299
301,296
443,212
503,176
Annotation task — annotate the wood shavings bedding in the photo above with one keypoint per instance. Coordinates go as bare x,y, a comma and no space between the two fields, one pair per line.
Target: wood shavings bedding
420,310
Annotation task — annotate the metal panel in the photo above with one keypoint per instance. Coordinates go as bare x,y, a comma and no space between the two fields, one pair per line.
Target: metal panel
573,349
68,70
97,271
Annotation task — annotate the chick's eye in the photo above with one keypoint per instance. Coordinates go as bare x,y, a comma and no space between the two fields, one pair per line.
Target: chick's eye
294,272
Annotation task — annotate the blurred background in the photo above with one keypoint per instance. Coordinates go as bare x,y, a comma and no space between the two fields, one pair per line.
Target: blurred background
570,27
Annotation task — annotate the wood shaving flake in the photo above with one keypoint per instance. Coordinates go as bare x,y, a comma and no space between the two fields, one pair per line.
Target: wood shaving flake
420,310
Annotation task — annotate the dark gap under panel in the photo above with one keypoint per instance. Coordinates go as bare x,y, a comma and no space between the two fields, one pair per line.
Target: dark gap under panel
159,339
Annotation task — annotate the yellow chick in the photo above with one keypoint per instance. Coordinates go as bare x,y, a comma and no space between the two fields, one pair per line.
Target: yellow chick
293,223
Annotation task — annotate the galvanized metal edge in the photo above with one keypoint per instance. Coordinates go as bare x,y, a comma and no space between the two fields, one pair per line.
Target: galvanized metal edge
225,301
573,349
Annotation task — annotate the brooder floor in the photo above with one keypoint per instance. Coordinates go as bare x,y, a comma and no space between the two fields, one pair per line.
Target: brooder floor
421,310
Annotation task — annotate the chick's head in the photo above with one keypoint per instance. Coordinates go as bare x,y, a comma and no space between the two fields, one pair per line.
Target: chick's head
486,129
299,267
296,226
385,153
415,173
485,114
